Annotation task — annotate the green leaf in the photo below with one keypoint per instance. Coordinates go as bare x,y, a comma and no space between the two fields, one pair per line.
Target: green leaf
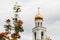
2,38
8,27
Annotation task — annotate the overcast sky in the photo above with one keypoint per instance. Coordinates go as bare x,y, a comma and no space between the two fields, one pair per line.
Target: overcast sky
50,9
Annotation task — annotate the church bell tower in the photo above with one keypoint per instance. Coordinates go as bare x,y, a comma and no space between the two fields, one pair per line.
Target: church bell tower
38,30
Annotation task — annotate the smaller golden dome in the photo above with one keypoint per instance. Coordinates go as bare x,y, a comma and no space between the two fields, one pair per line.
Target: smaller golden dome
38,16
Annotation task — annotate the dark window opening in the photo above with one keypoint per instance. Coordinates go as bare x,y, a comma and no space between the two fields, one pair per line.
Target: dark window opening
41,23
42,34
35,35
38,24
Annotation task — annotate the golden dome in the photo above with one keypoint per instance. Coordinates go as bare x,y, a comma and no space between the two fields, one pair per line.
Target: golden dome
38,16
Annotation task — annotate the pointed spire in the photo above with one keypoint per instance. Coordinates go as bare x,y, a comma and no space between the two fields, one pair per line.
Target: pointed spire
38,10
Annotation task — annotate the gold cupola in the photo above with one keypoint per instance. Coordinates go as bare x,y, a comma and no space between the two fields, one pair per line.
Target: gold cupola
38,16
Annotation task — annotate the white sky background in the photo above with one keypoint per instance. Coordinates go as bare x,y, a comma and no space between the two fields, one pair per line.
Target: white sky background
50,9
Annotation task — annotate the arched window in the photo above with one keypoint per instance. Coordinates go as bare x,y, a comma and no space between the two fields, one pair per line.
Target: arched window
38,24
35,35
42,34
41,23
